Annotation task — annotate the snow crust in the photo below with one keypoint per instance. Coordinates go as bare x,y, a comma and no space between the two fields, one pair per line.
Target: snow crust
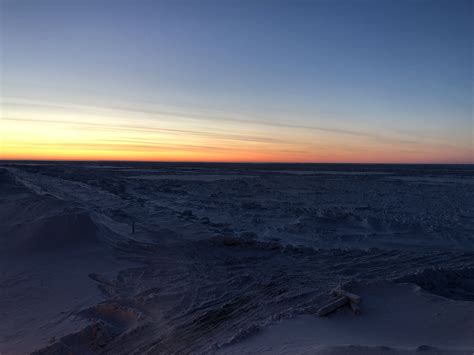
123,258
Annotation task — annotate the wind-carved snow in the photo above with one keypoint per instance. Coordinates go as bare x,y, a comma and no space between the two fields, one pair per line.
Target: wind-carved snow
172,262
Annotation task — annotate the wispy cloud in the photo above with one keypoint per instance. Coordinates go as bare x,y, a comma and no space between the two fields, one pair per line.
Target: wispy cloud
149,131
153,116
146,129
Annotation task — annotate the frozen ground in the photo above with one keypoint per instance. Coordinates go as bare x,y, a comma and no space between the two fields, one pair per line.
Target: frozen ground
233,258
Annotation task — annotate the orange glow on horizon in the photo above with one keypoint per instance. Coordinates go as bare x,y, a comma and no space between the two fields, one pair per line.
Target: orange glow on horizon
70,135
237,157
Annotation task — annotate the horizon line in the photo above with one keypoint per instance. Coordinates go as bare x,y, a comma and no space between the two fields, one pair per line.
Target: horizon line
222,162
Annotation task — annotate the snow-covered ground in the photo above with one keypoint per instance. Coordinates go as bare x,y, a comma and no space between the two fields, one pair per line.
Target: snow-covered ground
402,317
125,258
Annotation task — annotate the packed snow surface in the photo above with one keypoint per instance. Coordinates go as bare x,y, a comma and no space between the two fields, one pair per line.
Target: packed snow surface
134,258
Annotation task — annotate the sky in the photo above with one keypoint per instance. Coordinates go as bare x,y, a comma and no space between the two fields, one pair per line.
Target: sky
362,81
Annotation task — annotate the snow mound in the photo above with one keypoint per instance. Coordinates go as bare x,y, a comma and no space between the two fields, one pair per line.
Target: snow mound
395,319
455,284
89,340
73,228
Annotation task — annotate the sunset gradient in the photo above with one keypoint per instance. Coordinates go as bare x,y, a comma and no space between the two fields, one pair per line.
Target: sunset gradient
237,81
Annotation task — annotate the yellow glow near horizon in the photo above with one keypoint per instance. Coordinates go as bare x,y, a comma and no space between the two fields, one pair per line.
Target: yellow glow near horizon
75,134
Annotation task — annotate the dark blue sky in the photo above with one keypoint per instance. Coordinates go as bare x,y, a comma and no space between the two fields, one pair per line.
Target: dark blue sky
373,79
